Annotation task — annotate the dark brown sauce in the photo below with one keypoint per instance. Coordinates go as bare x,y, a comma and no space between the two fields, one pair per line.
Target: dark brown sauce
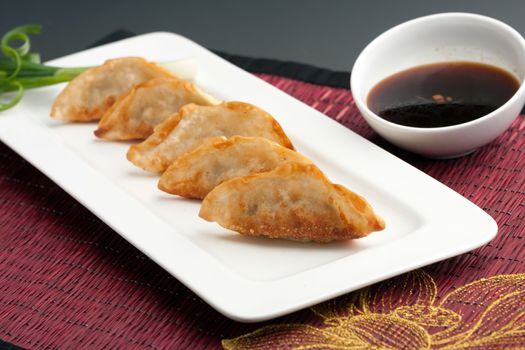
442,94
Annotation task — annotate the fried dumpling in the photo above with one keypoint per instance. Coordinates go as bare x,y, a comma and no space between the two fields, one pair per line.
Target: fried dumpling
196,125
136,113
195,174
294,201
88,96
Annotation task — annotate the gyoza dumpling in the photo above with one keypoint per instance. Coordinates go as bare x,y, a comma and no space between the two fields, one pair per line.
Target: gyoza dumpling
196,125
295,201
146,105
195,174
88,96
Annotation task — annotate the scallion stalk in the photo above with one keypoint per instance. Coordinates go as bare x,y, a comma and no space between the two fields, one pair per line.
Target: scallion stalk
21,69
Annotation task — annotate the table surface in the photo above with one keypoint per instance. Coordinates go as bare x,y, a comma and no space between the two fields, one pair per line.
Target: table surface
327,34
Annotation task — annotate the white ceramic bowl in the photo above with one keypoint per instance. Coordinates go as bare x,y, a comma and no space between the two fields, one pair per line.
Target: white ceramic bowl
440,38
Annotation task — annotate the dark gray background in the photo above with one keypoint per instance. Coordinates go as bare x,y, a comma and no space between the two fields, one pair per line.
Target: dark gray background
327,34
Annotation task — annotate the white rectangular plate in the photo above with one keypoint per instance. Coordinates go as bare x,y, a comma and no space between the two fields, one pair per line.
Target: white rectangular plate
248,279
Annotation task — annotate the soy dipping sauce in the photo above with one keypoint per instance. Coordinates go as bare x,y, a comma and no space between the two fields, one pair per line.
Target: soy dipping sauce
442,94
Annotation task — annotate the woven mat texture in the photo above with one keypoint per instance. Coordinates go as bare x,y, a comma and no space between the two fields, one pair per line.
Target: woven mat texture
68,281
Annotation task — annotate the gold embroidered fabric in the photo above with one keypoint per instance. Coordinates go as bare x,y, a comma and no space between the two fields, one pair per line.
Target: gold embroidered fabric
405,313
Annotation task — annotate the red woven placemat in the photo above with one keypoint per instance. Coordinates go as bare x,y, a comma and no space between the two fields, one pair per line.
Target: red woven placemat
69,281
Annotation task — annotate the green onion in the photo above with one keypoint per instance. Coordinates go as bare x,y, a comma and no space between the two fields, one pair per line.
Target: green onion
21,69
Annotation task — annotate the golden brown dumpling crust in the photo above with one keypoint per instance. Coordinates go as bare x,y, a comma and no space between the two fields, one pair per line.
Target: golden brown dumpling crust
196,125
88,96
196,173
295,201
146,105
